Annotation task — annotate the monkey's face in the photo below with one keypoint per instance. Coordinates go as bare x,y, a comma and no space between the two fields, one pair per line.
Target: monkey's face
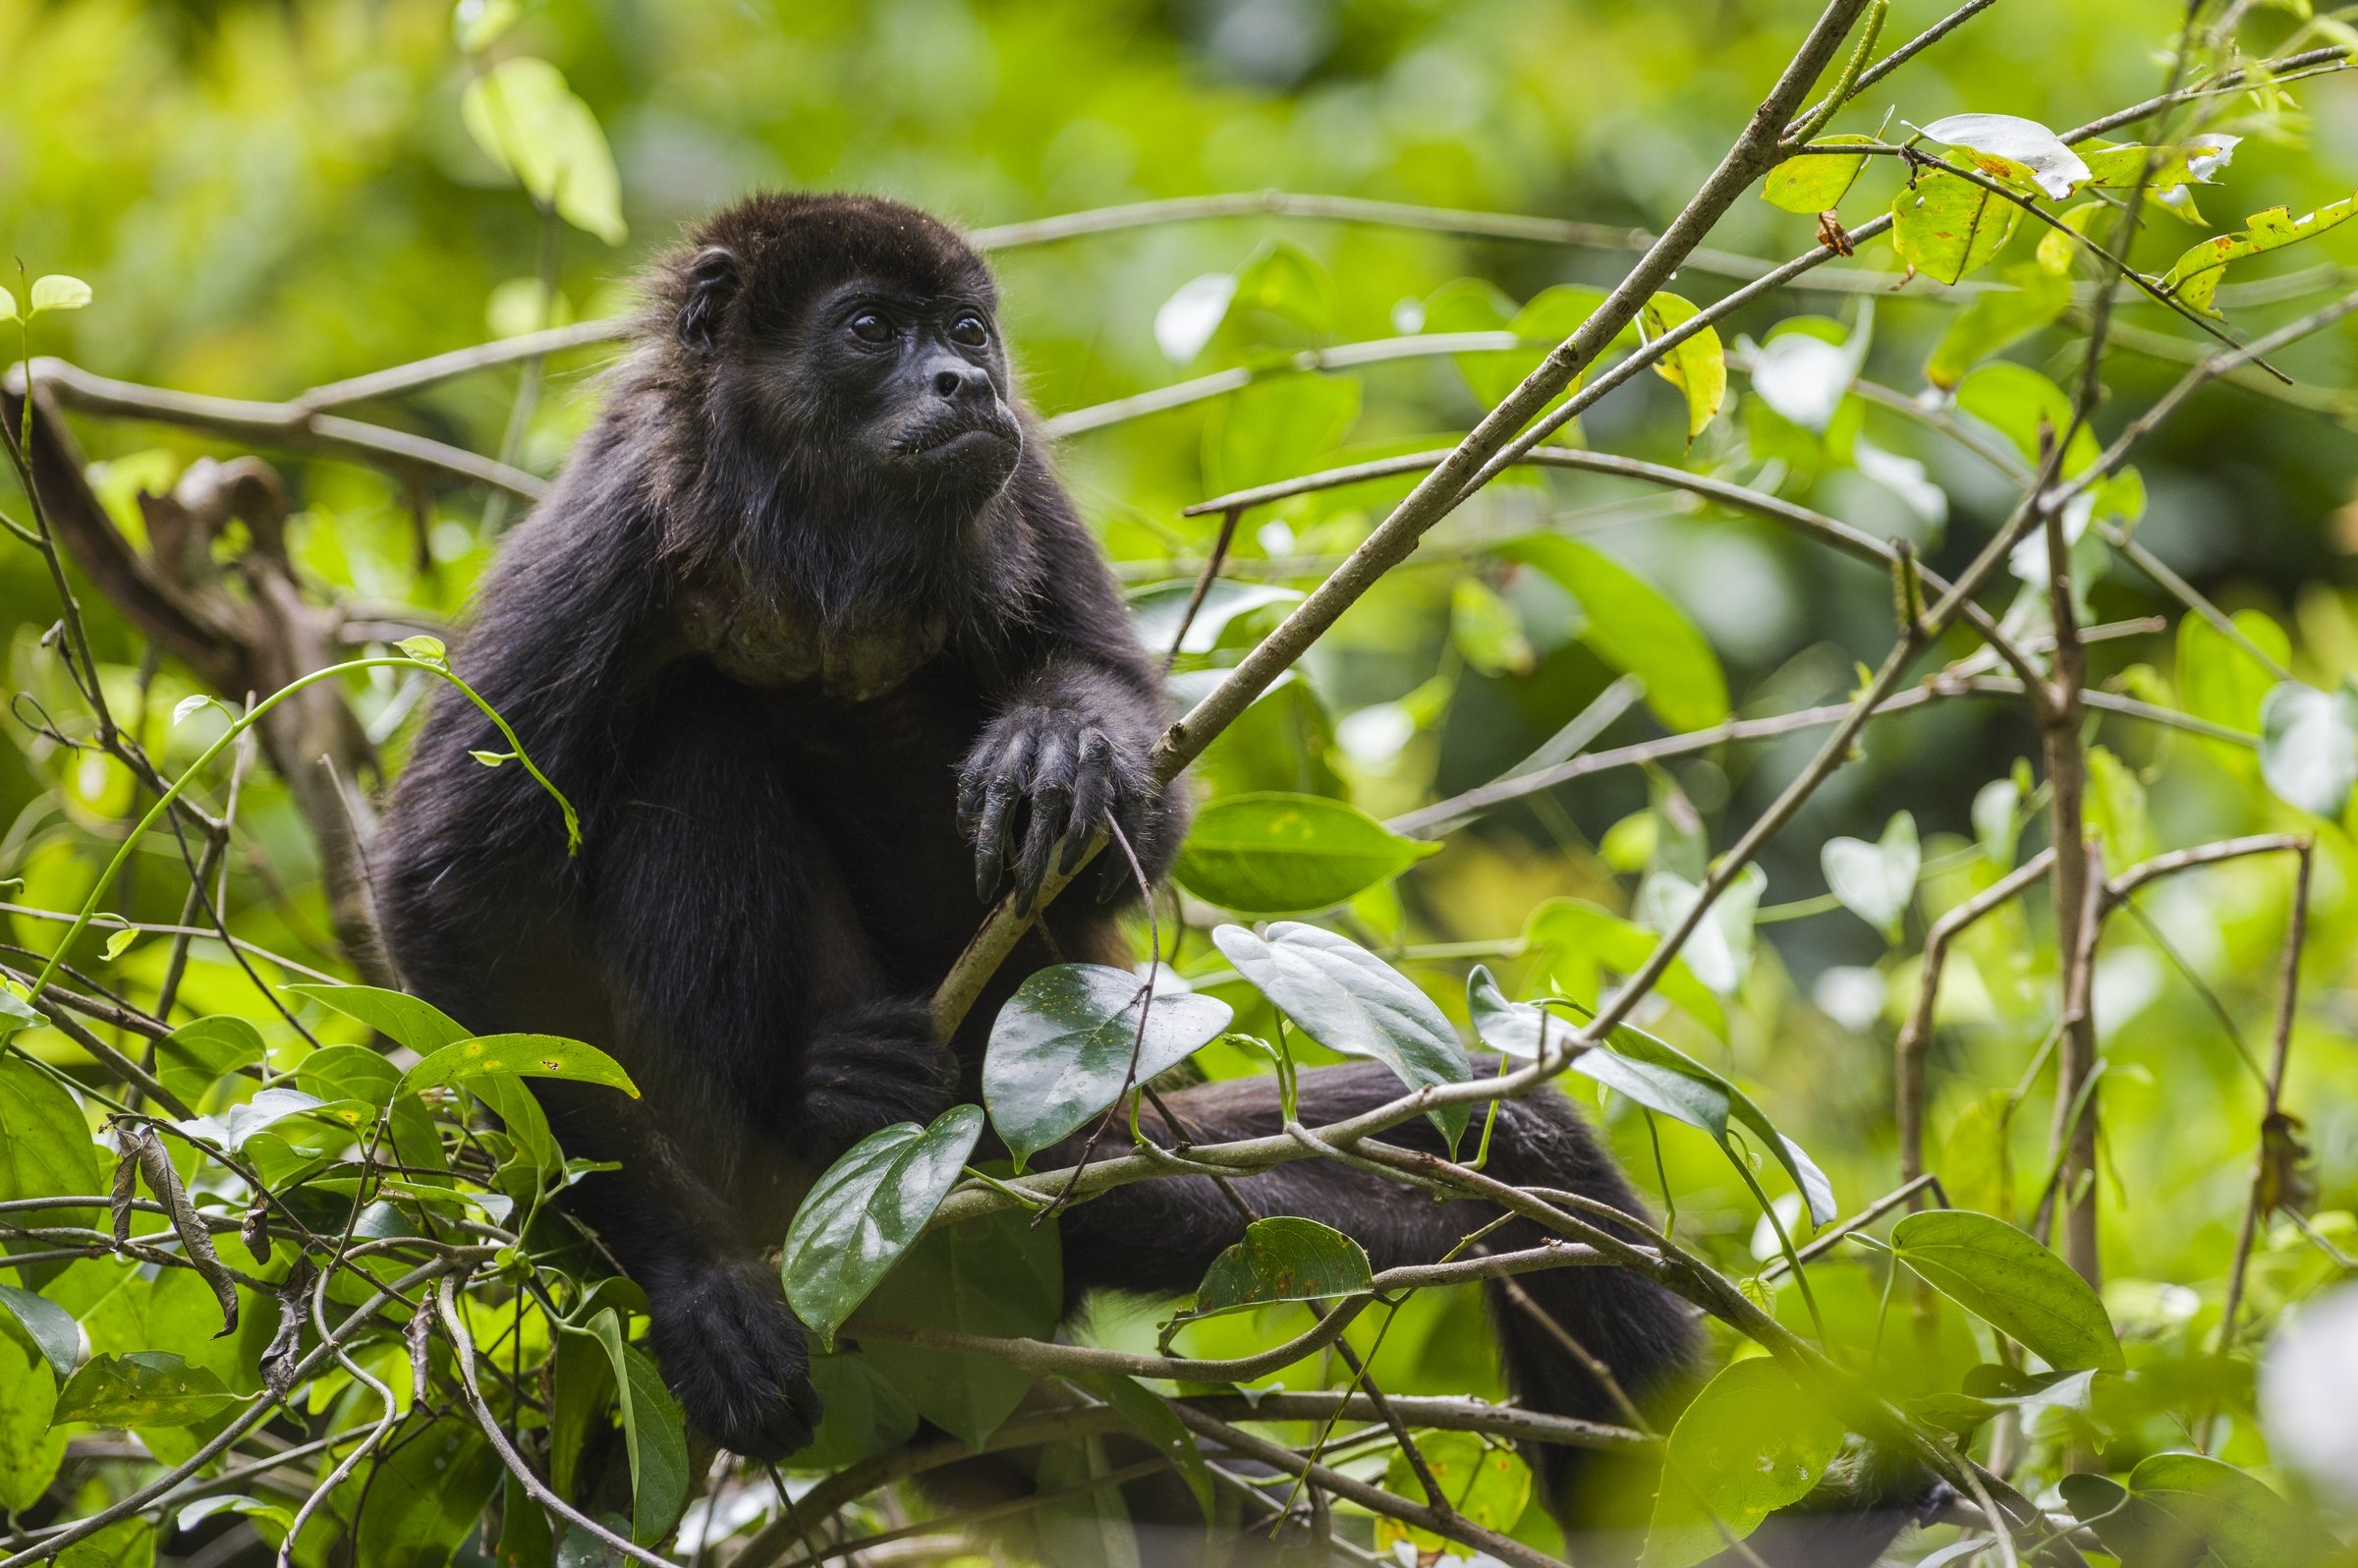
917,388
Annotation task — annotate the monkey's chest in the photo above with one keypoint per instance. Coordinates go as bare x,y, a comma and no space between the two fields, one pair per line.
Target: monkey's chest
770,650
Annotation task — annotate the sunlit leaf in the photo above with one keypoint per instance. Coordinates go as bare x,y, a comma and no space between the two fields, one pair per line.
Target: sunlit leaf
2003,1276
1806,369
1351,1001
1696,366
58,292
2194,277
1875,881
1946,226
1267,854
867,1209
1187,320
1487,1484
530,123
1753,1441
1812,183
1060,1050
420,1025
2309,745
2053,164
1277,428
1155,611
525,1055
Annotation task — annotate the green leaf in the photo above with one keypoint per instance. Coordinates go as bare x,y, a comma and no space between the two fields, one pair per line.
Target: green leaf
1814,182
2004,1277
1997,318
2053,165
1753,1441
477,24
426,651
1084,1523
2116,810
8,307
199,1053
1633,628
31,1449
1511,1028
2195,162
126,1543
2192,1510
1282,1259
1696,366
1276,428
1156,610
1486,630
2027,409
51,1328
420,1025
1945,227
2194,276
1875,881
2218,682
145,1388
1719,950
1351,1001
652,1430
59,292
45,1147
526,119
1060,1049
1475,304
1283,297
2309,747
867,1209
349,1072
2057,249
525,1055
1000,1276
861,1414
1269,853
1487,1484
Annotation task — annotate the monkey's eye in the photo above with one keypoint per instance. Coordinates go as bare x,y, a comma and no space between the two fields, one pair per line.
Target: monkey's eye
870,327
970,331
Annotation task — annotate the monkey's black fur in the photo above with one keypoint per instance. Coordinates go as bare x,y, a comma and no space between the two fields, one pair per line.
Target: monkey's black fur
820,651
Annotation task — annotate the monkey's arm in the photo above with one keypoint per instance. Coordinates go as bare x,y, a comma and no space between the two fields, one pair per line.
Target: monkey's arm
1080,708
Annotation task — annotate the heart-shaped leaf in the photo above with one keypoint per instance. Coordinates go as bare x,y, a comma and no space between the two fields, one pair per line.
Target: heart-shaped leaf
1060,1049
867,1209
1283,1258
1270,853
1875,881
2003,1276
1351,1001
2309,747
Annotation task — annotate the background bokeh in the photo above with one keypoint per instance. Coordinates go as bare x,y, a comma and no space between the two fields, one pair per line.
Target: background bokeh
269,196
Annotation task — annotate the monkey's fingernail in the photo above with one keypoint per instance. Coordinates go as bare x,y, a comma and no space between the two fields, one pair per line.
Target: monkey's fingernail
1074,848
986,878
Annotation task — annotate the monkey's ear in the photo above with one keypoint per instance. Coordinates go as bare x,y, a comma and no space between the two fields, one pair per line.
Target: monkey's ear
712,284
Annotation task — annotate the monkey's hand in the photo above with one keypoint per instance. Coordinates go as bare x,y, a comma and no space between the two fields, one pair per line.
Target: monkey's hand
1041,784
734,1353
869,1068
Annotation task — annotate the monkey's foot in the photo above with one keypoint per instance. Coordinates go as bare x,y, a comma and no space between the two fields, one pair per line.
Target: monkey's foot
734,1354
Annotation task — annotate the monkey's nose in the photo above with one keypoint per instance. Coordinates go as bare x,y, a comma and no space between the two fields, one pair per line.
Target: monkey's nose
962,381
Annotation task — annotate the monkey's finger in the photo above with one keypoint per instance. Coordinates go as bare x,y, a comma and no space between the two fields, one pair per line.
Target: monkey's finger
1051,809
1093,789
998,800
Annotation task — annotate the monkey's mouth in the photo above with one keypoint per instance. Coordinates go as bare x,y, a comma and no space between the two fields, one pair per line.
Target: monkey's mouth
955,438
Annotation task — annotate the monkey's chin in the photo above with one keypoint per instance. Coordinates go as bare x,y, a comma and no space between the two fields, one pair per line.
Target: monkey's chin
974,461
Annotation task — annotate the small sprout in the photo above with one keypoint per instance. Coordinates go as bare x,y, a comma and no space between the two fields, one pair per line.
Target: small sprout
187,706
492,758
426,651
117,943
58,292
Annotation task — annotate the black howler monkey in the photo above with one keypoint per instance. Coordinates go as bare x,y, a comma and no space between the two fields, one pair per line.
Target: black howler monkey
823,653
